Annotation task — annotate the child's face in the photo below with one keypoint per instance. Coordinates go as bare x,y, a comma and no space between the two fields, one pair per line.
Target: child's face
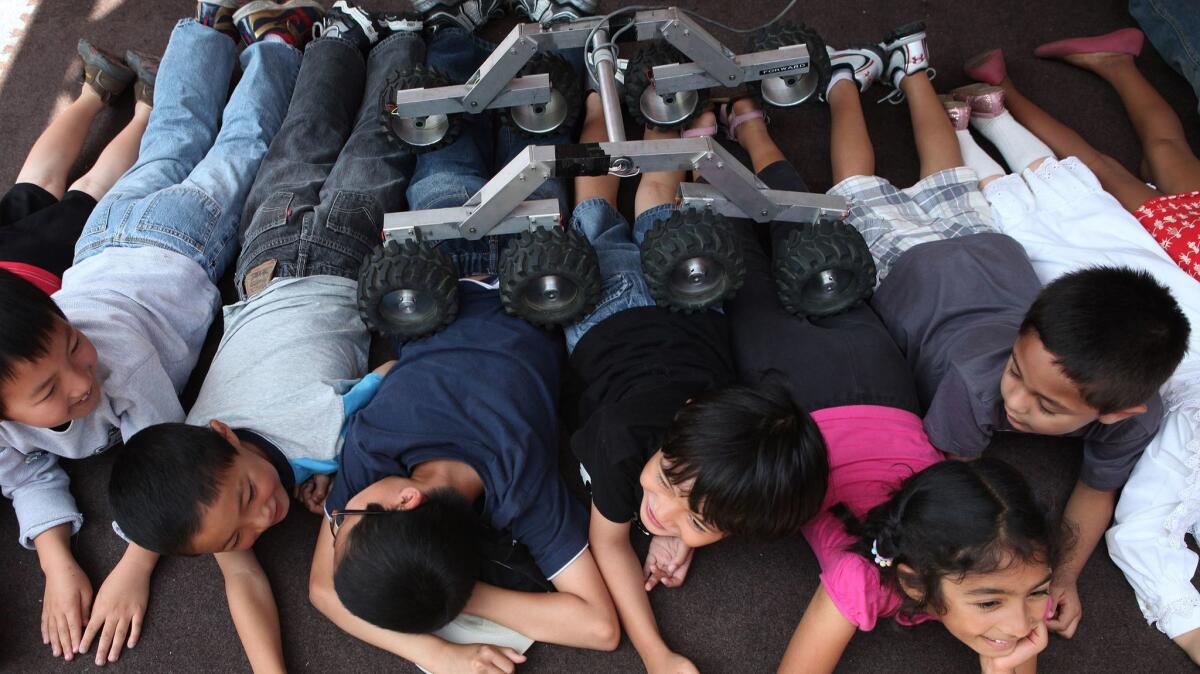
250,499
991,612
56,388
1038,396
665,510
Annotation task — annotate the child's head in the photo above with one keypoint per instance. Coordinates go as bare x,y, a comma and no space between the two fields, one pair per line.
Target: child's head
969,542
178,489
47,367
737,461
409,564
1096,345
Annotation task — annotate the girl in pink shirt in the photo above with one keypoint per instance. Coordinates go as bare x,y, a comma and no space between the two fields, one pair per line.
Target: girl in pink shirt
963,543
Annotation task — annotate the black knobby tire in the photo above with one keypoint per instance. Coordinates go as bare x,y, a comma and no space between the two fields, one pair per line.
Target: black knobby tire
563,81
416,77
833,248
410,266
639,77
685,237
785,33
562,256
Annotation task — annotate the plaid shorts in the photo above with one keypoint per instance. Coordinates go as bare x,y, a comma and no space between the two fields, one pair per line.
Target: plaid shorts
945,205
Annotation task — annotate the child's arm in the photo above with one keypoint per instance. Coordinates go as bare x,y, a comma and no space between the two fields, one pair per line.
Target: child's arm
426,650
819,639
252,605
121,605
68,596
580,614
1090,511
622,572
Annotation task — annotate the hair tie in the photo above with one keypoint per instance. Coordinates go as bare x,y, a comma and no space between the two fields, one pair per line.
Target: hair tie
882,561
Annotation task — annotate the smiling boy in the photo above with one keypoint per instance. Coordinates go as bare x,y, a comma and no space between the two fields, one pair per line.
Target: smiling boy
990,350
110,353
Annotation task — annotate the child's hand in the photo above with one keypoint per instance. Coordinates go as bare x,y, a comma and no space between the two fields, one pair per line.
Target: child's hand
1067,611
1028,647
120,607
667,562
312,493
480,659
671,663
65,607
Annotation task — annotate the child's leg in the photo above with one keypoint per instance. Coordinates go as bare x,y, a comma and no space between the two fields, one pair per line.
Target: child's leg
596,217
192,85
660,187
1062,141
203,211
449,176
281,205
116,158
1174,168
55,151
937,146
850,143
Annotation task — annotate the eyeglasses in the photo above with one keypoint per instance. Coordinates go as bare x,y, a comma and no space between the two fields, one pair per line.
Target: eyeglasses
337,517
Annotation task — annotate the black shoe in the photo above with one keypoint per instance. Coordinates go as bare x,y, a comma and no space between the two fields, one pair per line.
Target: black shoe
466,14
145,66
348,23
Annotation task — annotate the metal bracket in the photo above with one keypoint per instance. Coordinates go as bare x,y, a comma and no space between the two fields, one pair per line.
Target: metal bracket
798,207
437,224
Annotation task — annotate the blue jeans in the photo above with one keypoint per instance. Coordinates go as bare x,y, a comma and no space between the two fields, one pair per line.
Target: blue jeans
1173,26
619,251
199,154
447,177
318,202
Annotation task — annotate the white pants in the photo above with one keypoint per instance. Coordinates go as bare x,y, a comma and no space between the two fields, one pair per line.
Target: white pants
1065,221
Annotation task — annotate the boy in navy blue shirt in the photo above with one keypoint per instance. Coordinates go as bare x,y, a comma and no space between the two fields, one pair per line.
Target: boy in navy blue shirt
462,429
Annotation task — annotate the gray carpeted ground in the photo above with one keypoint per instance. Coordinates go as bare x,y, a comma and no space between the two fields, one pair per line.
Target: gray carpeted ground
742,600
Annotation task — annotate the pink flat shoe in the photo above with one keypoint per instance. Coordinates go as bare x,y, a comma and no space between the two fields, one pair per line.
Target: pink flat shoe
1124,41
986,100
958,111
987,67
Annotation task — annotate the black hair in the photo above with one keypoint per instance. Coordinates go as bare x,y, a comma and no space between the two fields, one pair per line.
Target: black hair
759,462
952,519
28,316
1116,332
411,570
162,480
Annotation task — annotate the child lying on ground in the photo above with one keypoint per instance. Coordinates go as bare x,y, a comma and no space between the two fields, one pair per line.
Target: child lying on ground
267,423
1170,210
990,350
462,429
109,355
1057,210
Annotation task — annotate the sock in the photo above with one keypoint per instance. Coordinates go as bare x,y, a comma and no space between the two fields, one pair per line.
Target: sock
839,75
275,37
975,158
1019,147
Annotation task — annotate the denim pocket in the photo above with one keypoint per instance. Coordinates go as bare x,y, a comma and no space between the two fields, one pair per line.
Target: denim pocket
268,219
354,216
103,223
179,218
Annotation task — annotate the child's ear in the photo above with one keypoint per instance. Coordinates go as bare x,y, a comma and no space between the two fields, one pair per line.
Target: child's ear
224,431
409,498
907,576
1121,415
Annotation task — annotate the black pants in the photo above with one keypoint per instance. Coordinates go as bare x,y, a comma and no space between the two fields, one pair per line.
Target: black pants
847,359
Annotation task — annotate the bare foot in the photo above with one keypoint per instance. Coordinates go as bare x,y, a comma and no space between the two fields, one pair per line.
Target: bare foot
706,119
1100,60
